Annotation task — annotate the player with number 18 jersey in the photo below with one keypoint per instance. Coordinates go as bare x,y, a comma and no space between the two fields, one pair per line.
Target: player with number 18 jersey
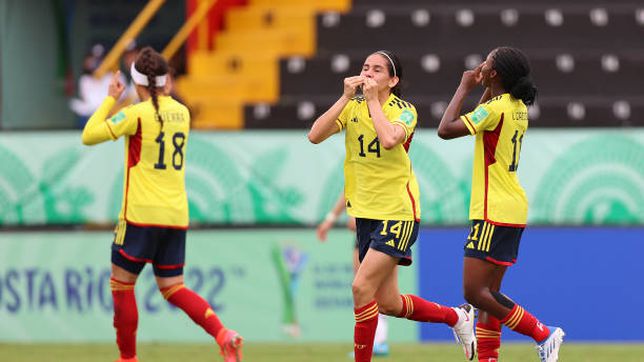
153,185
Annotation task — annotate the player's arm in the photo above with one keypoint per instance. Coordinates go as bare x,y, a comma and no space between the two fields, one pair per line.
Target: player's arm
331,218
96,130
389,134
327,125
451,125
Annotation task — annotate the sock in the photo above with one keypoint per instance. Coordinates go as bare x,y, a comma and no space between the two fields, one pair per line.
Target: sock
421,310
194,306
519,320
364,331
126,317
381,331
488,338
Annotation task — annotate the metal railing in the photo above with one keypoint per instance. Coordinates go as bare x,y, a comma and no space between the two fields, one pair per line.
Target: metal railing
151,8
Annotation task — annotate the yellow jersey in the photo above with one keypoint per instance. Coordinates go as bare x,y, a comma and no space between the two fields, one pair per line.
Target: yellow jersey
499,126
379,184
153,188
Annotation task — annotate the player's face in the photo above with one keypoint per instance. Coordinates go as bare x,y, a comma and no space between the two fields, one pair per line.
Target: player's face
376,67
487,71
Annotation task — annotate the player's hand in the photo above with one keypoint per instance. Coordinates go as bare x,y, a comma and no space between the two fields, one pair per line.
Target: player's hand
323,230
472,78
370,89
116,87
351,84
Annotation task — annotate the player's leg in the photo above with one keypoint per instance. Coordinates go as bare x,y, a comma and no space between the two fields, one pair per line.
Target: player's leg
415,308
488,327
487,247
126,315
412,307
199,310
395,238
128,259
476,275
168,270
380,346
374,268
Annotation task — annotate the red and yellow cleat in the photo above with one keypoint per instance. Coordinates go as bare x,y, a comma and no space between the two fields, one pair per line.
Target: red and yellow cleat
230,343
133,359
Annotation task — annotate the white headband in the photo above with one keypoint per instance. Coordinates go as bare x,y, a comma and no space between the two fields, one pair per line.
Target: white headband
393,66
142,79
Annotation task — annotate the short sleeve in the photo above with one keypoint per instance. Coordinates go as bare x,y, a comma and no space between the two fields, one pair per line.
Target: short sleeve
405,116
482,118
123,123
346,114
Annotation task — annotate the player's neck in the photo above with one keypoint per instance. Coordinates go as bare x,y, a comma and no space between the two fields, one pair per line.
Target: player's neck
496,90
382,97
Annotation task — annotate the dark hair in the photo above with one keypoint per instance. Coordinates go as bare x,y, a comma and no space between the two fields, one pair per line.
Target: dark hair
152,64
394,67
514,68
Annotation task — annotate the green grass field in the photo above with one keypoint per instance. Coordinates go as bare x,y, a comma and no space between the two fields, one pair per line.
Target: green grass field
261,352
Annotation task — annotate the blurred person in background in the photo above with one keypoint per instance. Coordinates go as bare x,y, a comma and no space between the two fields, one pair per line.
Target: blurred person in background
91,90
498,206
154,217
380,346
127,59
382,193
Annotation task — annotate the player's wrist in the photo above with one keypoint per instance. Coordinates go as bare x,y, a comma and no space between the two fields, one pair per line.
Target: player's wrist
330,217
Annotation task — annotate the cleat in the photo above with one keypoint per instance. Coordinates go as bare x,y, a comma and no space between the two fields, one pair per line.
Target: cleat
380,350
133,359
549,349
230,343
464,330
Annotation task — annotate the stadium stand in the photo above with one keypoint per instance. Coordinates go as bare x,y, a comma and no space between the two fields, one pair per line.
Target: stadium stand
243,68
584,57
103,21
279,64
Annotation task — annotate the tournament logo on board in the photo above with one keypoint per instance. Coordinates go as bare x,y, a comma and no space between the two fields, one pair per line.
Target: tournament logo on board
596,181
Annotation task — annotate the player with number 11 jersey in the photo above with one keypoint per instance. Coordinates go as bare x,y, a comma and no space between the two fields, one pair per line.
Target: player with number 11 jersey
499,126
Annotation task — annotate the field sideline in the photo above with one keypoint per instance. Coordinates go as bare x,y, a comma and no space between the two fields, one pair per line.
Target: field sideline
321,352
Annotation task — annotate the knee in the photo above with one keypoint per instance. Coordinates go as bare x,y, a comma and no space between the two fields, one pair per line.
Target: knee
358,289
474,296
362,292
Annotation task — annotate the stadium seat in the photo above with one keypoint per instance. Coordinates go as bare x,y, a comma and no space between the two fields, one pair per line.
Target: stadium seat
587,58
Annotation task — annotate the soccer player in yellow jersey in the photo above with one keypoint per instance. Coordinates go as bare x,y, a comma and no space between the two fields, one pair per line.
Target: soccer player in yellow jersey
381,192
154,216
498,206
